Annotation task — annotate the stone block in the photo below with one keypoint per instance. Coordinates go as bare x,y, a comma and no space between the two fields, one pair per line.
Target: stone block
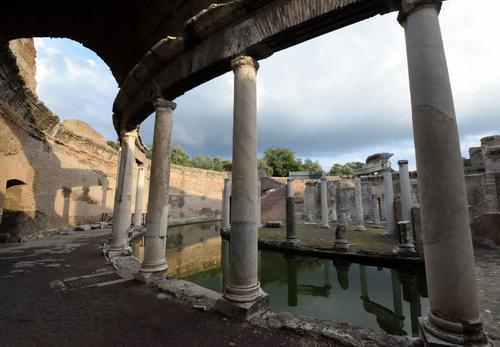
84,227
243,311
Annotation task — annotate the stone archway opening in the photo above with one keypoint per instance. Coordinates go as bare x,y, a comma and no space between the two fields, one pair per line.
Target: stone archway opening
18,210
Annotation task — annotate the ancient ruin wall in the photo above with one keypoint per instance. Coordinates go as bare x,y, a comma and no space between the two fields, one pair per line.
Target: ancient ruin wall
54,174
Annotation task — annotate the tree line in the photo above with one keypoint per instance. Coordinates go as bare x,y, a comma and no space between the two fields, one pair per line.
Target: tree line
277,162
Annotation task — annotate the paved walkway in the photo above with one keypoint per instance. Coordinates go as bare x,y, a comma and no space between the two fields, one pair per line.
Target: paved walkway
126,314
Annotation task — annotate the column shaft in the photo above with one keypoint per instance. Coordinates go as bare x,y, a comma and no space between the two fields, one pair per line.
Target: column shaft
155,264
243,285
389,201
139,197
291,232
405,196
324,204
226,204
259,217
358,199
123,196
445,221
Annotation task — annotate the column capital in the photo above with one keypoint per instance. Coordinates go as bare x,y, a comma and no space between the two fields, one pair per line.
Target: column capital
130,133
410,6
243,60
402,162
162,104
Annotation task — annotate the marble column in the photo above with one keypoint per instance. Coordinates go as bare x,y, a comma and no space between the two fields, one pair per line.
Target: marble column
375,211
123,196
389,200
333,204
291,231
358,199
259,215
226,205
243,285
405,196
154,267
324,204
139,197
454,312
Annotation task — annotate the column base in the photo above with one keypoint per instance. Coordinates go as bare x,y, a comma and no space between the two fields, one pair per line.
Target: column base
152,273
360,228
243,310
405,248
325,226
437,332
292,242
341,245
119,251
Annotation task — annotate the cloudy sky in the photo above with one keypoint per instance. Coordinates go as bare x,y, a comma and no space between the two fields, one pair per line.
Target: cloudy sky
337,98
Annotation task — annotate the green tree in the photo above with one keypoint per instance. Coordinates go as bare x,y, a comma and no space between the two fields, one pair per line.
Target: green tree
282,161
114,145
313,166
180,156
347,169
262,165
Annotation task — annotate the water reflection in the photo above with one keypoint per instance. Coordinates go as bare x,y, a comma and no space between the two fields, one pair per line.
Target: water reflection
380,298
191,249
383,299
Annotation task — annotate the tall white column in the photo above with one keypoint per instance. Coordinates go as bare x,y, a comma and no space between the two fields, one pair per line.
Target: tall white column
226,205
324,204
243,285
154,266
405,187
139,197
122,211
358,200
389,200
454,312
333,203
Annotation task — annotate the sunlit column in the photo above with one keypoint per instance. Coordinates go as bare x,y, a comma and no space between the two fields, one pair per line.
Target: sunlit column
454,312
139,197
123,196
226,205
243,285
154,266
358,199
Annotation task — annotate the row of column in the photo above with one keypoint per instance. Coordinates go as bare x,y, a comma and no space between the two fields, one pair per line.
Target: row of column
454,313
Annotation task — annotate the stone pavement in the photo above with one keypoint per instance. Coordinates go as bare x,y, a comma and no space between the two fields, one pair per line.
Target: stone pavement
127,314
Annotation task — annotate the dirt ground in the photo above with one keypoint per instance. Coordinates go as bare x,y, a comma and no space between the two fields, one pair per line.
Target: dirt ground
126,314
312,235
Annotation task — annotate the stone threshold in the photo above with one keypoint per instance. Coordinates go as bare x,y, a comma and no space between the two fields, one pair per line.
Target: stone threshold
386,259
340,334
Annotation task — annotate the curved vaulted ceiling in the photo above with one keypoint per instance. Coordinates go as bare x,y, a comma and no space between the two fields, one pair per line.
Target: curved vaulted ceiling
164,48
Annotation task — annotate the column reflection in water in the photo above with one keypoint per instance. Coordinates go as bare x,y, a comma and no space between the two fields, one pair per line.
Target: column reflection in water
224,262
291,270
328,273
410,295
342,267
392,322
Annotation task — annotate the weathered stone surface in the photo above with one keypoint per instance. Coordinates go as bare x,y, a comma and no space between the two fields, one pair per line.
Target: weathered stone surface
84,227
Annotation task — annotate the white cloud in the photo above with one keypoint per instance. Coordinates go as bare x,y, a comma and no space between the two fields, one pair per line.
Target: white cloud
337,98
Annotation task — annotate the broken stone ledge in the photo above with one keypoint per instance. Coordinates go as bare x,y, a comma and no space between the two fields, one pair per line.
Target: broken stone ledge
387,259
342,334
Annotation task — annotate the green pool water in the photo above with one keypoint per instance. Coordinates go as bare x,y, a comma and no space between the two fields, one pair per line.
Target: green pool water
383,299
